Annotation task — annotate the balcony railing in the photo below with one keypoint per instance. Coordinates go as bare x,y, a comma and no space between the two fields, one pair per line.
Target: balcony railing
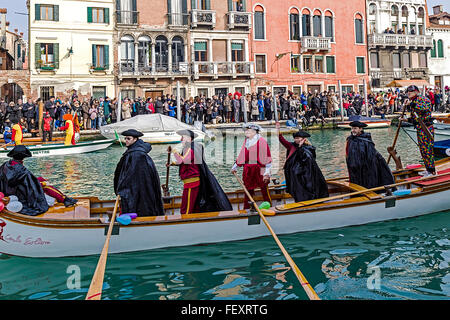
217,69
178,20
127,17
405,73
399,40
316,43
99,68
127,68
238,19
203,18
46,65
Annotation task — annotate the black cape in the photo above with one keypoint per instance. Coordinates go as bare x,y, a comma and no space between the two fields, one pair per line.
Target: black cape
137,182
211,196
366,166
19,181
304,179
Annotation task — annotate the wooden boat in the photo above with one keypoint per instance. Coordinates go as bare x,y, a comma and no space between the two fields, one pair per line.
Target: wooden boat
81,230
441,132
371,122
442,148
57,149
442,118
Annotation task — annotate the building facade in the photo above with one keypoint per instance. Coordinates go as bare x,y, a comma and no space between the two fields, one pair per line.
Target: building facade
439,55
14,76
200,45
397,41
308,46
71,43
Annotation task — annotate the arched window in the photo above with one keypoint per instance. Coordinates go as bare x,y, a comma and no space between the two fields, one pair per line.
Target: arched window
359,32
372,9
329,27
294,22
259,23
306,22
177,52
421,13
144,52
394,11
317,23
404,11
161,54
127,53
440,49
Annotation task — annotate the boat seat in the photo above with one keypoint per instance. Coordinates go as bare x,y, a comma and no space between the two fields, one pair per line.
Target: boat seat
354,187
82,209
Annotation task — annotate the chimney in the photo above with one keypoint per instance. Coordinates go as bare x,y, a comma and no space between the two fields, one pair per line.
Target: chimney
438,9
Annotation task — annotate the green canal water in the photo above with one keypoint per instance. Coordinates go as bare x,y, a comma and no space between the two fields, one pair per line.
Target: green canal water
402,259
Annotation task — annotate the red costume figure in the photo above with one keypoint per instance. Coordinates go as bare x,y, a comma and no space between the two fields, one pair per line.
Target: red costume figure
55,193
256,159
189,173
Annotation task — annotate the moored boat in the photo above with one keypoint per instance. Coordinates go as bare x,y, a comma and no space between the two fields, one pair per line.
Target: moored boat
441,132
371,122
57,149
80,230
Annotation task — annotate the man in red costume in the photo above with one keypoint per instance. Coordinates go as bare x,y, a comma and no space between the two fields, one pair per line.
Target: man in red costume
256,159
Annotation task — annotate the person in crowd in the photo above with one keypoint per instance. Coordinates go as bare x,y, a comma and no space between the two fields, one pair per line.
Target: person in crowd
47,127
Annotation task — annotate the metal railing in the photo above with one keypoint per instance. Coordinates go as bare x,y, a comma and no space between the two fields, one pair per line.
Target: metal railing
127,17
127,67
223,68
178,19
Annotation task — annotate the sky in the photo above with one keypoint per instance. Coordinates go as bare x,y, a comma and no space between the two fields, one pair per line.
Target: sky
19,21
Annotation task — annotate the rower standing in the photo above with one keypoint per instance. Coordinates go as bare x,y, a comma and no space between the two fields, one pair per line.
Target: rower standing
421,112
256,159
304,179
201,191
366,166
136,179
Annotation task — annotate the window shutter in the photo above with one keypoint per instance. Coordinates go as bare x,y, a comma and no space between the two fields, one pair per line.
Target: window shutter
89,14
193,5
169,11
259,25
184,10
37,54
134,6
440,49
56,54
358,31
244,5
360,65
56,13
230,5
208,5
37,12
330,65
118,11
433,50
106,56
94,55
106,14
18,50
200,46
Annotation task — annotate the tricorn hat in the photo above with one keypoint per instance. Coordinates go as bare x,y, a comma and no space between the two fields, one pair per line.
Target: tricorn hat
357,124
187,132
132,133
301,134
19,153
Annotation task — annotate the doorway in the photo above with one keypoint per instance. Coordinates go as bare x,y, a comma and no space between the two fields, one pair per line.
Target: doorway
153,94
313,88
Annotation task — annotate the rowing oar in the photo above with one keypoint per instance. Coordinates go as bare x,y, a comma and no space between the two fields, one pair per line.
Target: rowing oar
166,186
424,127
317,201
301,278
95,289
391,149
4,146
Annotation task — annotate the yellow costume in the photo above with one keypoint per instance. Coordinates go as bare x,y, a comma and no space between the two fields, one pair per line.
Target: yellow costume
70,139
17,134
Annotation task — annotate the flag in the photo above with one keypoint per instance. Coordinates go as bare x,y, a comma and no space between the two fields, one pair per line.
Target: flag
117,137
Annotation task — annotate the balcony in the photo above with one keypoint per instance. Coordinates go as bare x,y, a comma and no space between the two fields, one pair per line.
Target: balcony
220,69
203,18
127,17
128,69
315,44
400,40
45,66
178,20
238,19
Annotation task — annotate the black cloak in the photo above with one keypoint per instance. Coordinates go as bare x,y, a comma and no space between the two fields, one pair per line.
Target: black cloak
211,197
366,166
19,181
137,182
304,179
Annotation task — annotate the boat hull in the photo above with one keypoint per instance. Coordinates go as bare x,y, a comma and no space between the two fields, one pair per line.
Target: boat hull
59,149
80,238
